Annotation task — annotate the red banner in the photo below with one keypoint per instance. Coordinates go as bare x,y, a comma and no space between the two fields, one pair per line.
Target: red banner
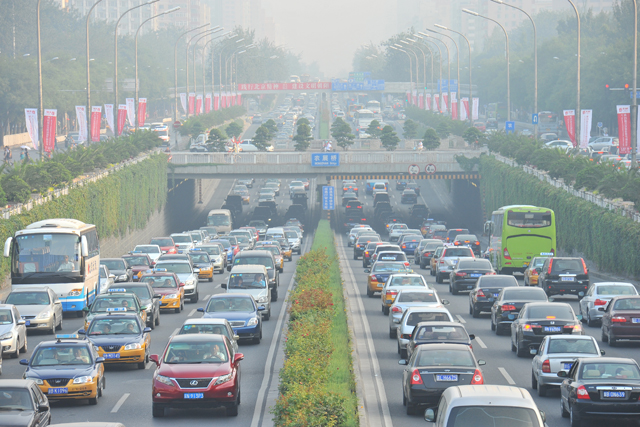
122,117
239,99
436,102
445,102
198,105
249,87
96,119
49,130
207,103
427,102
142,111
624,128
216,101
223,100
465,105
570,124
192,103
421,100
233,99
454,109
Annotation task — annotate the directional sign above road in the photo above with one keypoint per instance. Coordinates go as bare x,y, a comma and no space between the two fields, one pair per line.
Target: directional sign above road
326,160
328,198
430,169
414,169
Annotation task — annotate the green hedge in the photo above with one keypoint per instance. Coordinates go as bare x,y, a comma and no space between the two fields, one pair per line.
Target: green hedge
603,236
436,121
116,204
196,125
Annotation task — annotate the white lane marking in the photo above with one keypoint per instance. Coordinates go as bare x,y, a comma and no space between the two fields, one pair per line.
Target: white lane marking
480,342
206,297
175,332
461,319
149,364
218,286
120,403
506,376
193,312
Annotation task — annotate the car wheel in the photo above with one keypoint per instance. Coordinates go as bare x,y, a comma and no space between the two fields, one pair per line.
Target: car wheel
274,295
385,310
392,333
369,293
542,389
157,410
355,256
475,312
156,318
513,346
438,278
603,336
52,331
101,387
452,289
258,339
534,381
493,325
563,412
179,308
152,323
59,327
267,316
211,278
573,419
612,340
23,349
411,408
423,265
232,408
519,351
403,353
591,323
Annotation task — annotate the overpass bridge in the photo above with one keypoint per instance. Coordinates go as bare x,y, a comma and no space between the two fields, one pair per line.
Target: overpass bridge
439,164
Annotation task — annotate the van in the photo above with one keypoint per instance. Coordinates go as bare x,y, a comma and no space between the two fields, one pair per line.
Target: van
260,257
379,187
263,213
380,197
252,280
220,219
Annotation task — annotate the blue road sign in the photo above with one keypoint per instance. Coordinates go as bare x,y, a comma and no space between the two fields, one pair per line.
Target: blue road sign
352,85
325,159
448,85
510,127
328,198
534,119
599,124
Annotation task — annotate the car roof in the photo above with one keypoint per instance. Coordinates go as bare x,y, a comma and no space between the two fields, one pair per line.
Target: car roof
206,321
489,394
196,337
248,268
16,383
128,285
441,323
571,337
172,260
30,289
254,252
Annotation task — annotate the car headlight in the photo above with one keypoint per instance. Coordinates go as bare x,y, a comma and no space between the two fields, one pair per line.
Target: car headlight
263,299
253,321
7,336
189,283
36,380
75,292
164,380
44,314
171,296
122,277
83,379
134,346
223,379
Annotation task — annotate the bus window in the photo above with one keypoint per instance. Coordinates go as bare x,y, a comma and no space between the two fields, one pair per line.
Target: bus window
529,219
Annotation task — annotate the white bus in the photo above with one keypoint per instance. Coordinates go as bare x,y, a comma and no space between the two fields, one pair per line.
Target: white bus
363,118
61,253
374,106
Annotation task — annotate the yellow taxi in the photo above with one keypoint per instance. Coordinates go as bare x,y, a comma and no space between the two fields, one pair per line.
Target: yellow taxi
201,260
287,252
120,337
66,369
380,272
168,285
274,248
434,260
115,298
532,271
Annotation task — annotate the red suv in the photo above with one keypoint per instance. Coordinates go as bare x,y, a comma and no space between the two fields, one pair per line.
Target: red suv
197,371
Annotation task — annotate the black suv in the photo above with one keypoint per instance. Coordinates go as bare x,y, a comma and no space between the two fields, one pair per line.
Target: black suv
564,276
419,211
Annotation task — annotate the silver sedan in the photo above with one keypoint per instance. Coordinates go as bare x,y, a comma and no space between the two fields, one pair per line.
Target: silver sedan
13,332
412,317
599,295
39,307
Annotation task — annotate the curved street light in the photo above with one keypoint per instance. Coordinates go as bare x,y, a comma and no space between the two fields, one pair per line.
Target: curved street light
469,45
457,65
88,67
175,70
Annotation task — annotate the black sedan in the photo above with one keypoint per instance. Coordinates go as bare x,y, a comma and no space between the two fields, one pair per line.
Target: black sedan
433,369
486,290
538,319
466,273
604,388
401,185
362,243
409,197
510,301
436,333
413,186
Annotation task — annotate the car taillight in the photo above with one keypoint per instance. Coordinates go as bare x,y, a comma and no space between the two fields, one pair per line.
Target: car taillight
534,271
461,274
546,367
490,273
529,327
392,293
582,393
584,266
600,302
396,309
550,266
404,246
416,379
366,253
405,336
618,319
508,307
477,377
456,243
407,264
441,262
575,328
480,293
506,254
373,278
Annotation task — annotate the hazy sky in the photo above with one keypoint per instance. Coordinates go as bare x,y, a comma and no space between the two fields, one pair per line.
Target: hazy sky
329,31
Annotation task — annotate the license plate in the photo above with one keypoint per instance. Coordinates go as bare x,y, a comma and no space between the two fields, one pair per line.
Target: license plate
496,295
27,322
446,378
194,395
512,316
455,261
470,286
567,366
633,320
475,275
58,390
552,328
568,279
379,285
111,356
614,394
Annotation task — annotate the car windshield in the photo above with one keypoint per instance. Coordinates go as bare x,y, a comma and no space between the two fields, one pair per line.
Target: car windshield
428,357
558,312
481,264
492,416
291,234
440,233
414,318
267,261
224,304
441,333
609,370
389,267
497,281
463,237
114,326
196,352
200,328
61,355
458,252
182,239
176,267
407,281
273,249
417,297
572,345
141,292
138,260
160,281
247,281
616,290
524,294
627,304
202,257
148,249
5,317
101,304
114,265
211,250
257,224
28,298
566,265
103,272
15,399
162,242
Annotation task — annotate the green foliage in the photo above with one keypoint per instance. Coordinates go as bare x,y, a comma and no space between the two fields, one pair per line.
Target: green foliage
443,129
467,164
207,121
410,129
431,119
217,140
430,140
234,129
389,139
303,137
474,137
271,127
374,129
302,120
262,138
341,132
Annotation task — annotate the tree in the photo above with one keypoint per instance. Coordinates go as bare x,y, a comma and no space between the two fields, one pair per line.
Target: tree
262,138
389,139
234,129
374,129
473,136
217,140
443,129
271,126
302,120
303,137
430,140
410,129
341,132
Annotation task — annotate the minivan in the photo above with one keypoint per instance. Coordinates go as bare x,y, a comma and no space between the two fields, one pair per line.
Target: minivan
380,197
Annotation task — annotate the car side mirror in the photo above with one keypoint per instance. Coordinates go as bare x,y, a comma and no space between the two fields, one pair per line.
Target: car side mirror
600,308
367,270
403,362
112,276
562,374
238,357
196,270
429,415
236,337
472,336
182,285
85,308
158,296
533,351
143,308
21,322
223,285
82,332
146,330
262,308
43,407
99,359
154,359
543,416
201,310
481,362
445,302
602,352
24,362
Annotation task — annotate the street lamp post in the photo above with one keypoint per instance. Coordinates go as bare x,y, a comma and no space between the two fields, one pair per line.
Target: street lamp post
88,67
431,38
634,103
187,58
136,55
410,65
406,42
175,69
470,12
577,116
469,45
428,38
41,102
204,49
195,49
457,65
424,60
220,61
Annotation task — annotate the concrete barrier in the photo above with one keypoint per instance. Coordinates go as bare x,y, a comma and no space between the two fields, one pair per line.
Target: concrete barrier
16,139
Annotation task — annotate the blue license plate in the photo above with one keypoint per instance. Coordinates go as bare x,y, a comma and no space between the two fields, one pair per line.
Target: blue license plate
496,295
568,279
469,286
633,320
446,378
552,328
111,356
194,395
27,322
512,316
475,275
567,366
58,390
614,394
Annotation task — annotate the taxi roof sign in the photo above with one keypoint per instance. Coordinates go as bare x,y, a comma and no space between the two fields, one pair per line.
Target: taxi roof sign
160,269
67,336
111,309
117,290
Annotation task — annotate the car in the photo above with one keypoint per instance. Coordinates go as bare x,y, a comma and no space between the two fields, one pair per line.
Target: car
434,260
22,403
448,259
548,137
184,242
507,305
384,247
362,242
201,260
260,257
538,319
210,326
211,231
354,207
453,232
250,279
368,253
471,405
564,276
139,263
260,226
430,332
409,242
176,257
480,126
13,331
486,289
598,295
380,272
603,389
353,233
468,240
558,353
230,250
114,298
168,286
621,319
199,237
199,148
153,251
184,377
217,256
532,271
67,368
242,312
608,140
350,186
395,283
149,299
401,185
414,186
390,256
559,144
275,250
40,308
167,245
106,278
411,307
409,197
395,231
418,210
433,369
187,274
424,256
120,268
440,234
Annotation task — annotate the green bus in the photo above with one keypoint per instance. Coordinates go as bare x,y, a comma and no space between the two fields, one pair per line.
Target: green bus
517,234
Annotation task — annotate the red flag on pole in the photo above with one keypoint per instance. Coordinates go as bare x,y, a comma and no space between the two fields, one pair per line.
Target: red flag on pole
624,128
142,111
122,118
49,130
96,119
570,124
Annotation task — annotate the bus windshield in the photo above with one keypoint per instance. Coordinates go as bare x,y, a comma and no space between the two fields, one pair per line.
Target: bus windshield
529,219
218,219
44,253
